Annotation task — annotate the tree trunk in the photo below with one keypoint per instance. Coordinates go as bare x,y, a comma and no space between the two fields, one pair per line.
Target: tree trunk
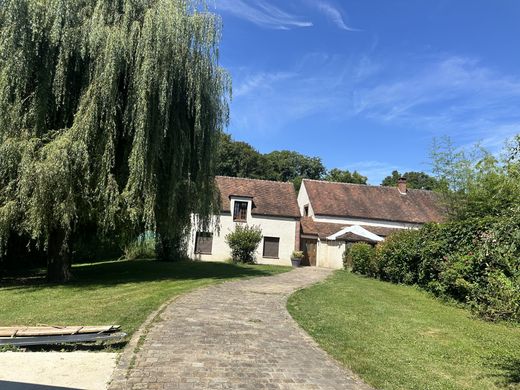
59,258
169,248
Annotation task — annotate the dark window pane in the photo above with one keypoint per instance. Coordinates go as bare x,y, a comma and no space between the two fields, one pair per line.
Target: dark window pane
240,212
271,247
203,243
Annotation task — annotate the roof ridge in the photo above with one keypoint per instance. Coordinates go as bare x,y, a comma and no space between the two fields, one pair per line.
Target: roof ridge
364,185
251,179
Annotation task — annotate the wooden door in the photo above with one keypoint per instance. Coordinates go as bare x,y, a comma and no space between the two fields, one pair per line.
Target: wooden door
309,246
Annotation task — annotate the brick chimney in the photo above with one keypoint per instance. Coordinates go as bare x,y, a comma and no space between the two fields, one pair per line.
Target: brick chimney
401,185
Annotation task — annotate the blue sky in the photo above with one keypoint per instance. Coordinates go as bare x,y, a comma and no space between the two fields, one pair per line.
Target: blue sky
368,84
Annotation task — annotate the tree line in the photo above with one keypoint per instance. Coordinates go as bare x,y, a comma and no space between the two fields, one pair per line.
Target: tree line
240,159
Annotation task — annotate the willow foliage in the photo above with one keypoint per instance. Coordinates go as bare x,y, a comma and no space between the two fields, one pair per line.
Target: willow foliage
110,112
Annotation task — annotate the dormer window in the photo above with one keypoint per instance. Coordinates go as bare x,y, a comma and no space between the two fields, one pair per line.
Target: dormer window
240,211
306,210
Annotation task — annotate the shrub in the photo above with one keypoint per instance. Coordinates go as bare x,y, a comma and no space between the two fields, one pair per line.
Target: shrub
297,255
244,241
398,258
362,258
142,248
498,298
476,262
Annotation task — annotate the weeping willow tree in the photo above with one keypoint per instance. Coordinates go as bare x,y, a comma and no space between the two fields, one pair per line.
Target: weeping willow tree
110,114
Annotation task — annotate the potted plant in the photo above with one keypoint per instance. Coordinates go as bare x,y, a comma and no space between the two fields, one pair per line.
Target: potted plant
296,258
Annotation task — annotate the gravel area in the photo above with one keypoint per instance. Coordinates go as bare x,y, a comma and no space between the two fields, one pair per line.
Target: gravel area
55,370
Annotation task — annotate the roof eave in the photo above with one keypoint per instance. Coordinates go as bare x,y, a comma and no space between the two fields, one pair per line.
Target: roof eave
368,218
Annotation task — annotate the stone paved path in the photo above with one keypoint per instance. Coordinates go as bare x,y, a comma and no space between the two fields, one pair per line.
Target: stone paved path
235,335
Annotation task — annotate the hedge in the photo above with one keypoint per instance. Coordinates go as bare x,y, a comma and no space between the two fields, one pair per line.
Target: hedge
476,262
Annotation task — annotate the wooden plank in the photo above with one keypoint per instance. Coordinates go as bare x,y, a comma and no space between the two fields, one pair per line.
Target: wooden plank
61,339
28,331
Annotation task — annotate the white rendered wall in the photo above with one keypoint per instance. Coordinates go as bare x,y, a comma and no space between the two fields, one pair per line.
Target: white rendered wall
283,228
330,254
303,200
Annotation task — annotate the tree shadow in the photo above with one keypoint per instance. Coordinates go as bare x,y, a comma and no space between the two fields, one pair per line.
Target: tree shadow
507,370
9,385
135,271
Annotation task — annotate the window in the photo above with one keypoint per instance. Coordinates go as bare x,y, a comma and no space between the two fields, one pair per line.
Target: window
240,212
271,246
203,243
306,210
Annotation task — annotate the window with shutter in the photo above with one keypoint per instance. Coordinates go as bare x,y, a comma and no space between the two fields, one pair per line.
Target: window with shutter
271,247
203,243
240,211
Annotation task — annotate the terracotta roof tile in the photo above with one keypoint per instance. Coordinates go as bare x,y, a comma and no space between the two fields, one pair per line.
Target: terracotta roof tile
270,198
373,202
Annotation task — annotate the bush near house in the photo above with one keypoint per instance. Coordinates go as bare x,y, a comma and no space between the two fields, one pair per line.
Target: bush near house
244,241
361,258
475,262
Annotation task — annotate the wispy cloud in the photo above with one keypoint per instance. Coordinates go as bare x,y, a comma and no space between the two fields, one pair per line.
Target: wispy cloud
265,102
262,13
433,97
451,94
334,15
258,81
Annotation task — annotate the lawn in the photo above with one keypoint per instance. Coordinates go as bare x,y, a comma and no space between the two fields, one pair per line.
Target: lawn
398,337
117,292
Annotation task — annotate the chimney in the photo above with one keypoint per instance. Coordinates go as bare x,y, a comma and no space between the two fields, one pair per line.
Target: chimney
401,185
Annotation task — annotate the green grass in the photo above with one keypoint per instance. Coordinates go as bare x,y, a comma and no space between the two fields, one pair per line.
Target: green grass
117,292
398,337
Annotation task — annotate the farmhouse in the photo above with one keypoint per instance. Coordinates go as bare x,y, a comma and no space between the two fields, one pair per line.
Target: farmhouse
269,204
335,214
321,220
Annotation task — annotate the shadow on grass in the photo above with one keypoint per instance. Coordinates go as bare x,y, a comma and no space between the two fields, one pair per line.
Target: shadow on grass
134,271
508,368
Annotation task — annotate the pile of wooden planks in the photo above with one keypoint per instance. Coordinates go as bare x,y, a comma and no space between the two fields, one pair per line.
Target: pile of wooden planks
48,335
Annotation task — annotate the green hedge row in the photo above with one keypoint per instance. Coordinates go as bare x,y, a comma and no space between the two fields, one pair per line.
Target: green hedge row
476,262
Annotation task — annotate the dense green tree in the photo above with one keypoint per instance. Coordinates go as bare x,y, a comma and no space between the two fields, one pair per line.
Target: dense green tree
345,176
292,166
475,183
417,180
239,159
110,112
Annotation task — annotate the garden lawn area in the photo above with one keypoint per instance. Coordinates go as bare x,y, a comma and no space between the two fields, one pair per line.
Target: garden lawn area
398,337
115,292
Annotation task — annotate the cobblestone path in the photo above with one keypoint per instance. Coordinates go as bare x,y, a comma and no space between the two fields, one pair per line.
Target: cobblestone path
235,335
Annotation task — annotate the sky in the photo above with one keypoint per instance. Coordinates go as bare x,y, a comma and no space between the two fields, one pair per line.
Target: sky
367,85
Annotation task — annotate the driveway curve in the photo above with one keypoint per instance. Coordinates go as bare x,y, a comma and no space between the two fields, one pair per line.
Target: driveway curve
235,335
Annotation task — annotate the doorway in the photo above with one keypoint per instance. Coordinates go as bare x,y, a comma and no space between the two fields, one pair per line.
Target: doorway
309,246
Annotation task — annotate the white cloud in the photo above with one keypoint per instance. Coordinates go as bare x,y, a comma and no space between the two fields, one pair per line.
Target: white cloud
453,95
262,13
259,80
334,15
